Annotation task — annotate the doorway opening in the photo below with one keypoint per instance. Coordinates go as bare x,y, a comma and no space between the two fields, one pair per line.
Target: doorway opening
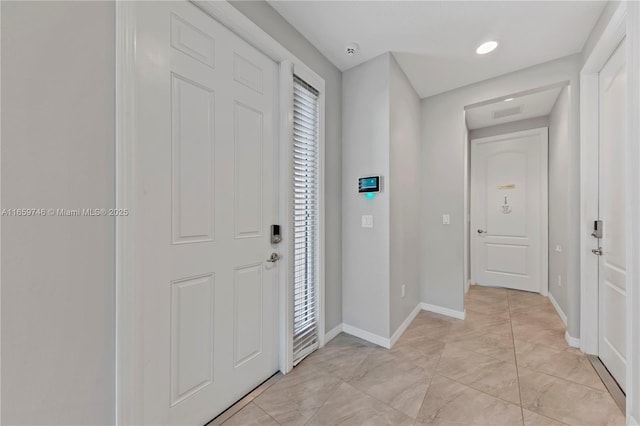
518,149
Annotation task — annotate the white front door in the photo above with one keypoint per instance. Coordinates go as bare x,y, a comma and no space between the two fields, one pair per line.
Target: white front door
205,200
612,265
509,210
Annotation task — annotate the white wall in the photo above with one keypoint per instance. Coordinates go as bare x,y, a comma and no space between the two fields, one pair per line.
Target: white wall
404,196
559,157
277,27
443,165
381,136
365,152
58,273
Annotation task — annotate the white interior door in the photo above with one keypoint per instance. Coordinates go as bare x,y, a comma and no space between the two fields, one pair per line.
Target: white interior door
612,264
206,197
509,210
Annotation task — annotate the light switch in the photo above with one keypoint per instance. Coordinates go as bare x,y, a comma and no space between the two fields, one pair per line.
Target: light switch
446,219
367,221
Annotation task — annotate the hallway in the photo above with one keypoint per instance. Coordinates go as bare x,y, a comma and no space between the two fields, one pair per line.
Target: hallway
506,364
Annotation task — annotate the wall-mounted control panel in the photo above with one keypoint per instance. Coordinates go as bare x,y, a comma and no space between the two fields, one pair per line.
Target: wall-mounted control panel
369,184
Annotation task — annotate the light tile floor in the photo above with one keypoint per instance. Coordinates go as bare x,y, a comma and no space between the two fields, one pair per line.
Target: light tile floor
506,364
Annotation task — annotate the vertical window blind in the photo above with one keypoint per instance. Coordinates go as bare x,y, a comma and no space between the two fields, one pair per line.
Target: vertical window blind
305,218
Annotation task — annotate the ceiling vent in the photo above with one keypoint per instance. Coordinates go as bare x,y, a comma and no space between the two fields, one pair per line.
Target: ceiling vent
507,112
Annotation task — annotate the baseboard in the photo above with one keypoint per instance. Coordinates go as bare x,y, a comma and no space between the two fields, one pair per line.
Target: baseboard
559,310
405,324
443,311
365,335
633,422
574,342
332,333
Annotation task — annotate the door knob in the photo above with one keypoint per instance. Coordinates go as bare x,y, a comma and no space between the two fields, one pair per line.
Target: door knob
481,231
598,251
273,258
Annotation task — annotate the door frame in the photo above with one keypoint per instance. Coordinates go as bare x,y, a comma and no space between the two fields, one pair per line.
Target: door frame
544,203
128,322
625,21
589,156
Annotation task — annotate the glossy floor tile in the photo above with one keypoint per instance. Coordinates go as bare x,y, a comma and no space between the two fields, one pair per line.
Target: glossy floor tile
506,364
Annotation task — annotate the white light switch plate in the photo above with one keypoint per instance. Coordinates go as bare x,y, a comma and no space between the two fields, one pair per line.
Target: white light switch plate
367,221
446,219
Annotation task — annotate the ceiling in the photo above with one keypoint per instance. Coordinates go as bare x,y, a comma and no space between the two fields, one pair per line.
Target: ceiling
538,104
434,41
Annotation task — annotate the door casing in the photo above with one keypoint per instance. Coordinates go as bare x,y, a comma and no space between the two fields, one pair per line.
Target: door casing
625,22
589,148
128,289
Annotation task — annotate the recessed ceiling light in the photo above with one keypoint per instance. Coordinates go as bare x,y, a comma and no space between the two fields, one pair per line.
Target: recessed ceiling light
487,47
508,99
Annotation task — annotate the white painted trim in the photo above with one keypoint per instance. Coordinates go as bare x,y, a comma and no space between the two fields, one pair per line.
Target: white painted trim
544,207
466,273
559,310
544,202
379,340
589,209
129,368
318,84
633,213
401,329
0,221
589,131
574,342
443,311
332,333
368,336
286,216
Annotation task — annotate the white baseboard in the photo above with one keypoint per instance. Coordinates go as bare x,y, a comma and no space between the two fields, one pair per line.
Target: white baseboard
574,342
559,310
365,335
332,333
444,311
405,324
633,422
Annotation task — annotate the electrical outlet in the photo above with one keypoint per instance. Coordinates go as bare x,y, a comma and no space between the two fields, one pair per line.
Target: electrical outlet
402,291
559,280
